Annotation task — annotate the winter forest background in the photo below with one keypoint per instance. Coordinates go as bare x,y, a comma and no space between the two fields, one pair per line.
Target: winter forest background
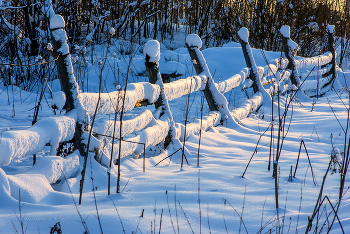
131,143
24,28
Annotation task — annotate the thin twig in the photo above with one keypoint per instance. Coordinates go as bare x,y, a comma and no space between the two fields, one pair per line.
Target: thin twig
240,217
255,151
118,216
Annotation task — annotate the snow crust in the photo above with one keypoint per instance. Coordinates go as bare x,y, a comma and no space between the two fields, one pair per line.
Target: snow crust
56,22
243,33
285,31
314,87
270,70
194,40
53,130
152,49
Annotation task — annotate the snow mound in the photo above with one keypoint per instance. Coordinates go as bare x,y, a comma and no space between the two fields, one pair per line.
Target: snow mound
194,40
33,187
59,99
5,191
172,67
152,49
285,31
4,184
231,44
173,56
57,21
243,33
56,168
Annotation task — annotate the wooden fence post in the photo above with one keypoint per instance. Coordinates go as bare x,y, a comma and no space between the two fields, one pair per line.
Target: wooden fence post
199,69
331,48
66,76
288,51
332,71
215,99
152,53
243,34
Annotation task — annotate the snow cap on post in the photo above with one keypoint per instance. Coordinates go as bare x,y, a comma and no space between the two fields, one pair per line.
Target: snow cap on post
285,31
331,29
243,33
56,22
194,40
152,49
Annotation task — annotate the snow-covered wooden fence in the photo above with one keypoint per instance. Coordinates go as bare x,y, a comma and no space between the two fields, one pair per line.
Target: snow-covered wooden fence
154,128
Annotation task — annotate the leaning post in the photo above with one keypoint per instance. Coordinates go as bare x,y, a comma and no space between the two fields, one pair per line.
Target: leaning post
215,99
152,56
243,34
332,71
290,48
69,86
66,76
331,49
199,69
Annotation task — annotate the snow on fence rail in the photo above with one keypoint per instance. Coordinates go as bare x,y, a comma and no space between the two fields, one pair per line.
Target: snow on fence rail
153,130
112,102
50,130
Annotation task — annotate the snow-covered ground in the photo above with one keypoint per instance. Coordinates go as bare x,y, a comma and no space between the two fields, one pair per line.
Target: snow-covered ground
170,199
